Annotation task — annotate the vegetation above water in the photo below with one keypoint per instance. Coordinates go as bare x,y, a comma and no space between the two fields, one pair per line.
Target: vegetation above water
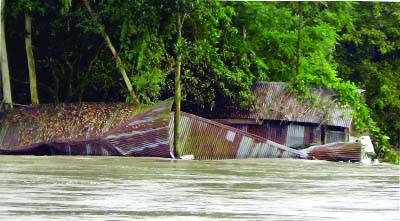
130,50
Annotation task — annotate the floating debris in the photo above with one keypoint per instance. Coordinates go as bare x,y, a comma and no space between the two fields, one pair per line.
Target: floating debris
339,151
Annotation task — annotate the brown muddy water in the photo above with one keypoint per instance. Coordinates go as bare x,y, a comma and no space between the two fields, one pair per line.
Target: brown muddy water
117,188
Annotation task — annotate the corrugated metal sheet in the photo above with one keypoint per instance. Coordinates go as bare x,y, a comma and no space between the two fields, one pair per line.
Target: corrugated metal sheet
209,140
259,130
336,152
277,132
336,136
87,130
243,127
272,131
145,134
310,135
295,135
149,134
340,117
274,102
28,126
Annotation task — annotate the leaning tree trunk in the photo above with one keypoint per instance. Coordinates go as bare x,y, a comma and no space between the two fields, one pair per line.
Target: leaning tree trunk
4,60
31,60
115,54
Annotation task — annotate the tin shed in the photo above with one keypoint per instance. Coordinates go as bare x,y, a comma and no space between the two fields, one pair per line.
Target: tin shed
281,116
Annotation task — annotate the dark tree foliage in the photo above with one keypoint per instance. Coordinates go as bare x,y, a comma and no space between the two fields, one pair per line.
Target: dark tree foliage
369,56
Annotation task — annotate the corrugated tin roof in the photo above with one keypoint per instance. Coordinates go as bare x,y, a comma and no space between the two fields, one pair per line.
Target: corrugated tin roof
275,102
145,134
48,123
209,140
87,129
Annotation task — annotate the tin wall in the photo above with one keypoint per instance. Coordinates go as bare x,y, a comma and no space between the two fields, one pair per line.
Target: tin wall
311,135
288,135
273,131
209,140
336,136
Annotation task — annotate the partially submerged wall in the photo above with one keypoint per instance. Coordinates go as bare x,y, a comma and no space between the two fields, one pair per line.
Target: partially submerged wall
209,140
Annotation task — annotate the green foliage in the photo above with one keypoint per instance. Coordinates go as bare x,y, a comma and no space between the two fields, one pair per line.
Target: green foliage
369,56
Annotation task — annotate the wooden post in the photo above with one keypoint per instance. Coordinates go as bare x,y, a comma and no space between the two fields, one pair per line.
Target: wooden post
318,135
346,134
326,134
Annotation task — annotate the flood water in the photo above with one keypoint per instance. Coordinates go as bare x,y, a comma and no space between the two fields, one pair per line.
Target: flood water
117,188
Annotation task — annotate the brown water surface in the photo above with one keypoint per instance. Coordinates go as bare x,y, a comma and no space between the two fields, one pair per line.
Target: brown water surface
117,188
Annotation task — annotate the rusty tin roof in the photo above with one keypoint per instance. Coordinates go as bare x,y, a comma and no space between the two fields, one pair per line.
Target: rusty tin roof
209,140
86,129
47,123
274,102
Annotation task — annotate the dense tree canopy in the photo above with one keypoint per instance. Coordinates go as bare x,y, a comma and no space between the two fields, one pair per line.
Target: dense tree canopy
224,48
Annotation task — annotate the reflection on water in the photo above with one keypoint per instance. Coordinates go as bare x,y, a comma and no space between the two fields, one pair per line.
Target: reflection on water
116,188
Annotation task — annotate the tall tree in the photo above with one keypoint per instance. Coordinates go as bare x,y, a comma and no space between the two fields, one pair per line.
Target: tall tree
31,60
4,60
180,18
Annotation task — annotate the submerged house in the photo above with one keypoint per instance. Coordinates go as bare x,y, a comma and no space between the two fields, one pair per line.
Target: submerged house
102,129
282,117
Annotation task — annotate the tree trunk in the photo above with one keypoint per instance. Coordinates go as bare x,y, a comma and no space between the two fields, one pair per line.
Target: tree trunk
177,119
299,39
398,141
115,54
4,60
31,60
